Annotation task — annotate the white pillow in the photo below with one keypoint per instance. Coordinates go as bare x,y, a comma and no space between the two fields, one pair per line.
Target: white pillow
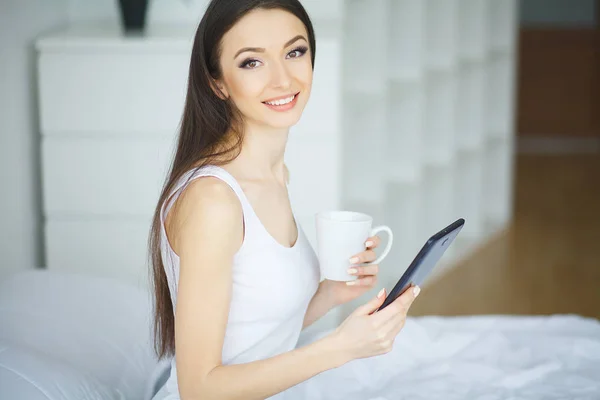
95,325
28,375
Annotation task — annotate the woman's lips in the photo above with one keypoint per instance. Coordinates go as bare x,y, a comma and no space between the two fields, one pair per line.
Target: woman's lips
283,104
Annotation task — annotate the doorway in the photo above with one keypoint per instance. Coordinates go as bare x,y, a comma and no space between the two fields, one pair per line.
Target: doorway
558,105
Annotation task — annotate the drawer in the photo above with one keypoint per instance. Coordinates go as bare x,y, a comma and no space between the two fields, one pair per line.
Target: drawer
112,93
103,176
107,248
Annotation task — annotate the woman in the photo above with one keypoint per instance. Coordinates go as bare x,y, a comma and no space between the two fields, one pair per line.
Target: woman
235,277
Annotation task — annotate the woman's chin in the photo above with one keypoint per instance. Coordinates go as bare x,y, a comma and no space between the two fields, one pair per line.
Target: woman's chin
281,123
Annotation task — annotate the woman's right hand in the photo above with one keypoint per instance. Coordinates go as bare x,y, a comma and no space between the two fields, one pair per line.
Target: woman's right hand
366,334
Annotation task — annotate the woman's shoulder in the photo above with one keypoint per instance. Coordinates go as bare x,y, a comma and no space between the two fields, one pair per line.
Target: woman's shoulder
206,203
206,195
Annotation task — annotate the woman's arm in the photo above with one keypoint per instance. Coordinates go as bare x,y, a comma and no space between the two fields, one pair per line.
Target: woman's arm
207,222
265,378
319,305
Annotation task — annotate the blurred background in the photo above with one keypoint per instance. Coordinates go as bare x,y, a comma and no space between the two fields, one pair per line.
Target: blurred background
422,111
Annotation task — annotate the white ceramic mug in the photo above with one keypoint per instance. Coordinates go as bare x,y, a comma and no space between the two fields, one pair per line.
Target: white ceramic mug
341,235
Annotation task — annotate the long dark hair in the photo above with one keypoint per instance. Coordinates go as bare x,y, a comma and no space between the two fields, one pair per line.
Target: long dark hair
207,120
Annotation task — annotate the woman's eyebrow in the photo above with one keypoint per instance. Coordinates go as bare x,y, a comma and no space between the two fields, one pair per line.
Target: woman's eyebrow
262,50
251,49
294,39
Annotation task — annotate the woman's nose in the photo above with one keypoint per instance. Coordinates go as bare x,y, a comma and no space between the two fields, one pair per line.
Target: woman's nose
280,76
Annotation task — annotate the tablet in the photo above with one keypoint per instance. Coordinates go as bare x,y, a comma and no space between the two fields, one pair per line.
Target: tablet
425,261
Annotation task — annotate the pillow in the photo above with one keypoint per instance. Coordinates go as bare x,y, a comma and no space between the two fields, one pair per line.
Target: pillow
30,375
96,325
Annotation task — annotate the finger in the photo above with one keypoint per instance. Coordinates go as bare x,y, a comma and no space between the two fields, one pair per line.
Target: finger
363,257
364,271
366,281
372,242
408,296
394,325
399,306
372,304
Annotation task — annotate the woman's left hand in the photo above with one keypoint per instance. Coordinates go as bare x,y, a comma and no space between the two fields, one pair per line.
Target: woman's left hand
343,292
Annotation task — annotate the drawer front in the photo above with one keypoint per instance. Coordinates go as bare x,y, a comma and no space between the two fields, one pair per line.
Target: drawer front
120,93
103,176
107,248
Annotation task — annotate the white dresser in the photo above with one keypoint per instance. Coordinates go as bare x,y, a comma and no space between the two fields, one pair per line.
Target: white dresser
109,112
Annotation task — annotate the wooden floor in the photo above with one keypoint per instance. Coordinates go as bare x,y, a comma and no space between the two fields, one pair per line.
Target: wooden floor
547,262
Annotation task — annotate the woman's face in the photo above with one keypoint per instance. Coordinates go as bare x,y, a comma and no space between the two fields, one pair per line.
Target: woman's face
266,67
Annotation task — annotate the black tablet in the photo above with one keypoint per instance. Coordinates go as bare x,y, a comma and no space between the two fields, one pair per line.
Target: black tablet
425,260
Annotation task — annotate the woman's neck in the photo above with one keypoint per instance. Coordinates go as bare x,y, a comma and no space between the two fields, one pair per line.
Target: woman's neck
262,154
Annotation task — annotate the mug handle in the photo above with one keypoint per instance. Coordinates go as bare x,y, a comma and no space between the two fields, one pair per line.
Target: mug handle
387,249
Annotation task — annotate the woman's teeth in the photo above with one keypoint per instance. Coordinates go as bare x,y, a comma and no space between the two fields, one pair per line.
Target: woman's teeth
281,102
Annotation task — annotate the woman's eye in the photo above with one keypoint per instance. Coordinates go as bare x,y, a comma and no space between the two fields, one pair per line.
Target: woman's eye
299,52
250,64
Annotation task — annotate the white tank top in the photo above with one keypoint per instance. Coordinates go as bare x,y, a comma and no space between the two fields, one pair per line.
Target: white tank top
272,284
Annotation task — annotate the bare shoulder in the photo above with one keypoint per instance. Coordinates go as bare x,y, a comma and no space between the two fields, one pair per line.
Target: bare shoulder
207,205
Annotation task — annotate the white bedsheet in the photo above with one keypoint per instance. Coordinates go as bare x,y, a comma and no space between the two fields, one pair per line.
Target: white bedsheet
74,337
479,357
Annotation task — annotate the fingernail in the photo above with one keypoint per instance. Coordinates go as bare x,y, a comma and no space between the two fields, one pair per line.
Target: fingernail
416,290
380,293
369,243
353,260
350,283
352,271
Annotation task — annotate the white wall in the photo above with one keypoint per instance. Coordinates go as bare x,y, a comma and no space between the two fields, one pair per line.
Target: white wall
20,228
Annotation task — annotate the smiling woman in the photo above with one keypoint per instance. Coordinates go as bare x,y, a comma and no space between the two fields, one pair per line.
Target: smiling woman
235,278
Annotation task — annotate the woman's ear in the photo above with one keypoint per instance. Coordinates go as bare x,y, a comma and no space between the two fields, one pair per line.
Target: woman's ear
219,88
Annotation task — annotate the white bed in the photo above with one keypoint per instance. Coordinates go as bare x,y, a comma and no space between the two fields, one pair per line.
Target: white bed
66,337
479,357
